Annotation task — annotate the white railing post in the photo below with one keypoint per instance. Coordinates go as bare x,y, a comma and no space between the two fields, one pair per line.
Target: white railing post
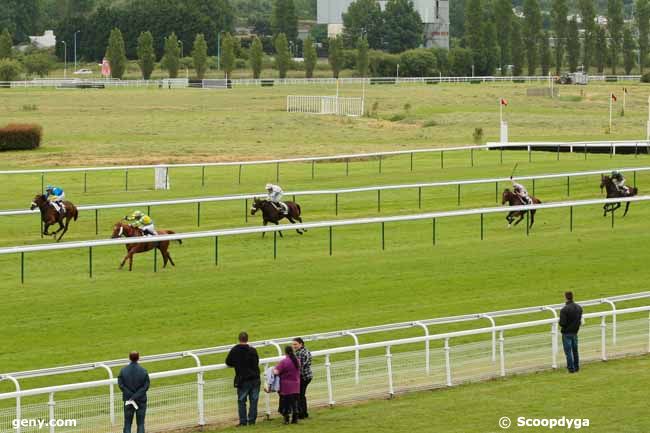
50,405
200,401
19,415
267,398
554,336
389,366
603,339
494,335
427,347
357,361
502,357
111,393
447,362
613,305
328,373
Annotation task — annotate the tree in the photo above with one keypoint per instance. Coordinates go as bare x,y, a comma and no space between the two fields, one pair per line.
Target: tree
460,62
6,44
518,49
545,54
629,47
335,55
474,33
420,62
490,48
643,26
601,49
171,60
559,12
116,54
257,57
284,19
200,56
282,56
10,69
310,56
363,19
362,57
531,32
573,44
615,29
403,26
20,17
146,54
38,63
503,18
588,15
227,54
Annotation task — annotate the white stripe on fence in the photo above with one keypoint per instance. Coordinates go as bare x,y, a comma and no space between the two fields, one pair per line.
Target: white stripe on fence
387,368
315,225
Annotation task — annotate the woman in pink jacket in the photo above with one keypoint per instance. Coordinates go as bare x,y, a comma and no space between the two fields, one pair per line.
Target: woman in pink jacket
289,371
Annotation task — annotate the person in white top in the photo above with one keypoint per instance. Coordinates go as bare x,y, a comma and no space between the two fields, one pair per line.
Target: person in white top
521,191
275,194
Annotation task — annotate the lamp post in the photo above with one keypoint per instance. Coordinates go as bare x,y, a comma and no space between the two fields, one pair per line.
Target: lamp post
75,49
65,59
219,51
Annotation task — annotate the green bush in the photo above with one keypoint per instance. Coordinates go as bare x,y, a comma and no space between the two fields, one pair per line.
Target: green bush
349,59
420,62
645,78
10,70
20,137
382,64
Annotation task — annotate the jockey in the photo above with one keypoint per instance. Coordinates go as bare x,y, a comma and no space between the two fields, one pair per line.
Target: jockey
521,192
143,222
275,197
619,182
55,196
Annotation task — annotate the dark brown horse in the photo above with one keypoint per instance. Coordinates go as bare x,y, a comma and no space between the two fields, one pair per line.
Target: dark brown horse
607,183
123,229
50,216
515,200
272,215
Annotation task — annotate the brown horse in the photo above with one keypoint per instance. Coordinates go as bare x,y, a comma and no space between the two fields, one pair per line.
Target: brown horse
607,183
271,215
50,216
123,229
514,200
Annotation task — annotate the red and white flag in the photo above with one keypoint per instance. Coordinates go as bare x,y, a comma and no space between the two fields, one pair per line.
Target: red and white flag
504,102
106,68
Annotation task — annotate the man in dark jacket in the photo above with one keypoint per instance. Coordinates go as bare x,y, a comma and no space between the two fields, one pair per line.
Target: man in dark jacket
570,319
244,359
134,383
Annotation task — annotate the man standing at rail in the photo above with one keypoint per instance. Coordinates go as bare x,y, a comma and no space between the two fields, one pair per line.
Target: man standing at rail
134,383
570,319
246,362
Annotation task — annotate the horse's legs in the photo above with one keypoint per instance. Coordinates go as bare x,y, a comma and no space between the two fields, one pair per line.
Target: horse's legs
292,221
131,252
521,217
46,227
532,219
164,256
65,229
265,223
627,208
169,257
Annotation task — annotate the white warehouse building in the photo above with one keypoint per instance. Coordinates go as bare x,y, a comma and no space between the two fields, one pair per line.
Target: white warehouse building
434,14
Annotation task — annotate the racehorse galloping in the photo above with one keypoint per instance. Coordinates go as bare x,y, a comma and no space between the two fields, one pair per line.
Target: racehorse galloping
271,215
607,183
50,216
514,200
123,229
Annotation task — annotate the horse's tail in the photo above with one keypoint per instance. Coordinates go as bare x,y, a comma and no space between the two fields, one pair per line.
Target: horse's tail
75,214
299,209
172,232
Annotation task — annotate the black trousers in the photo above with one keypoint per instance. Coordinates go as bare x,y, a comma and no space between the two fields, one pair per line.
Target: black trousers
129,411
302,399
289,405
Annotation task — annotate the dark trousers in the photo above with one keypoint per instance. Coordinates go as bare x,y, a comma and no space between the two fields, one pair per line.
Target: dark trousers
570,343
129,411
248,391
302,399
289,406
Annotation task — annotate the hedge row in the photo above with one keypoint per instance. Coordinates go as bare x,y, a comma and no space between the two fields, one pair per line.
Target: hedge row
20,137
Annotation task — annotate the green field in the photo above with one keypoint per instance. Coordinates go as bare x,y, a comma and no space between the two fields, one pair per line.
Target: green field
61,316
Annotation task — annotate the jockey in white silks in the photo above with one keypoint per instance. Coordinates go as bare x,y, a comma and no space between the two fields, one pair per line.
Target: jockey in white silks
275,194
521,191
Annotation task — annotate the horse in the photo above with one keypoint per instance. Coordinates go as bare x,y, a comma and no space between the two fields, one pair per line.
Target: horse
270,214
50,216
123,229
607,183
514,200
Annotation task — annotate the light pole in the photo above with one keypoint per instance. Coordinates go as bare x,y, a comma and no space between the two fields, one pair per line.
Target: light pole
75,49
219,51
65,59
397,72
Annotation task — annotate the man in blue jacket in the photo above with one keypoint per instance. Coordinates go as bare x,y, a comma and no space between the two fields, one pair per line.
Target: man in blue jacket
570,320
134,383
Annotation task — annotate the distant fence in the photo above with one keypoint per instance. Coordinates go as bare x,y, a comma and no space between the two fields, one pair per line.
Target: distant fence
80,83
334,105
330,225
385,369
419,187
638,146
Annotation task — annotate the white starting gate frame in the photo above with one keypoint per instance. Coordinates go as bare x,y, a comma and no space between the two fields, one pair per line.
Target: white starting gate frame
333,105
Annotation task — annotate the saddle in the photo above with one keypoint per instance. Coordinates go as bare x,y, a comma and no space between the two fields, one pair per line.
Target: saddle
60,208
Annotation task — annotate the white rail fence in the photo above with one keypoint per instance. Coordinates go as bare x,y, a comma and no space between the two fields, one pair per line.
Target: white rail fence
343,191
330,225
335,105
636,145
79,83
386,368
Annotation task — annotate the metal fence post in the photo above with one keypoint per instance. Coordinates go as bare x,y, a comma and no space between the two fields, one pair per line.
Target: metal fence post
96,221
471,157
277,172
571,219
216,250
427,347
22,268
275,245
411,161
419,197
568,186
481,226
85,181
312,168
433,225
380,161
357,360
330,230
50,405
389,367
239,175
603,339
458,194
383,241
502,358
111,393
336,204
198,214
202,175
447,362
126,179
328,374
200,401
90,262
246,210
442,159
347,167
378,200
155,259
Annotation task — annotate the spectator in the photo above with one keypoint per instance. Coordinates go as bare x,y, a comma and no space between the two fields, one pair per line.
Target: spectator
570,319
289,371
244,359
304,356
134,383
